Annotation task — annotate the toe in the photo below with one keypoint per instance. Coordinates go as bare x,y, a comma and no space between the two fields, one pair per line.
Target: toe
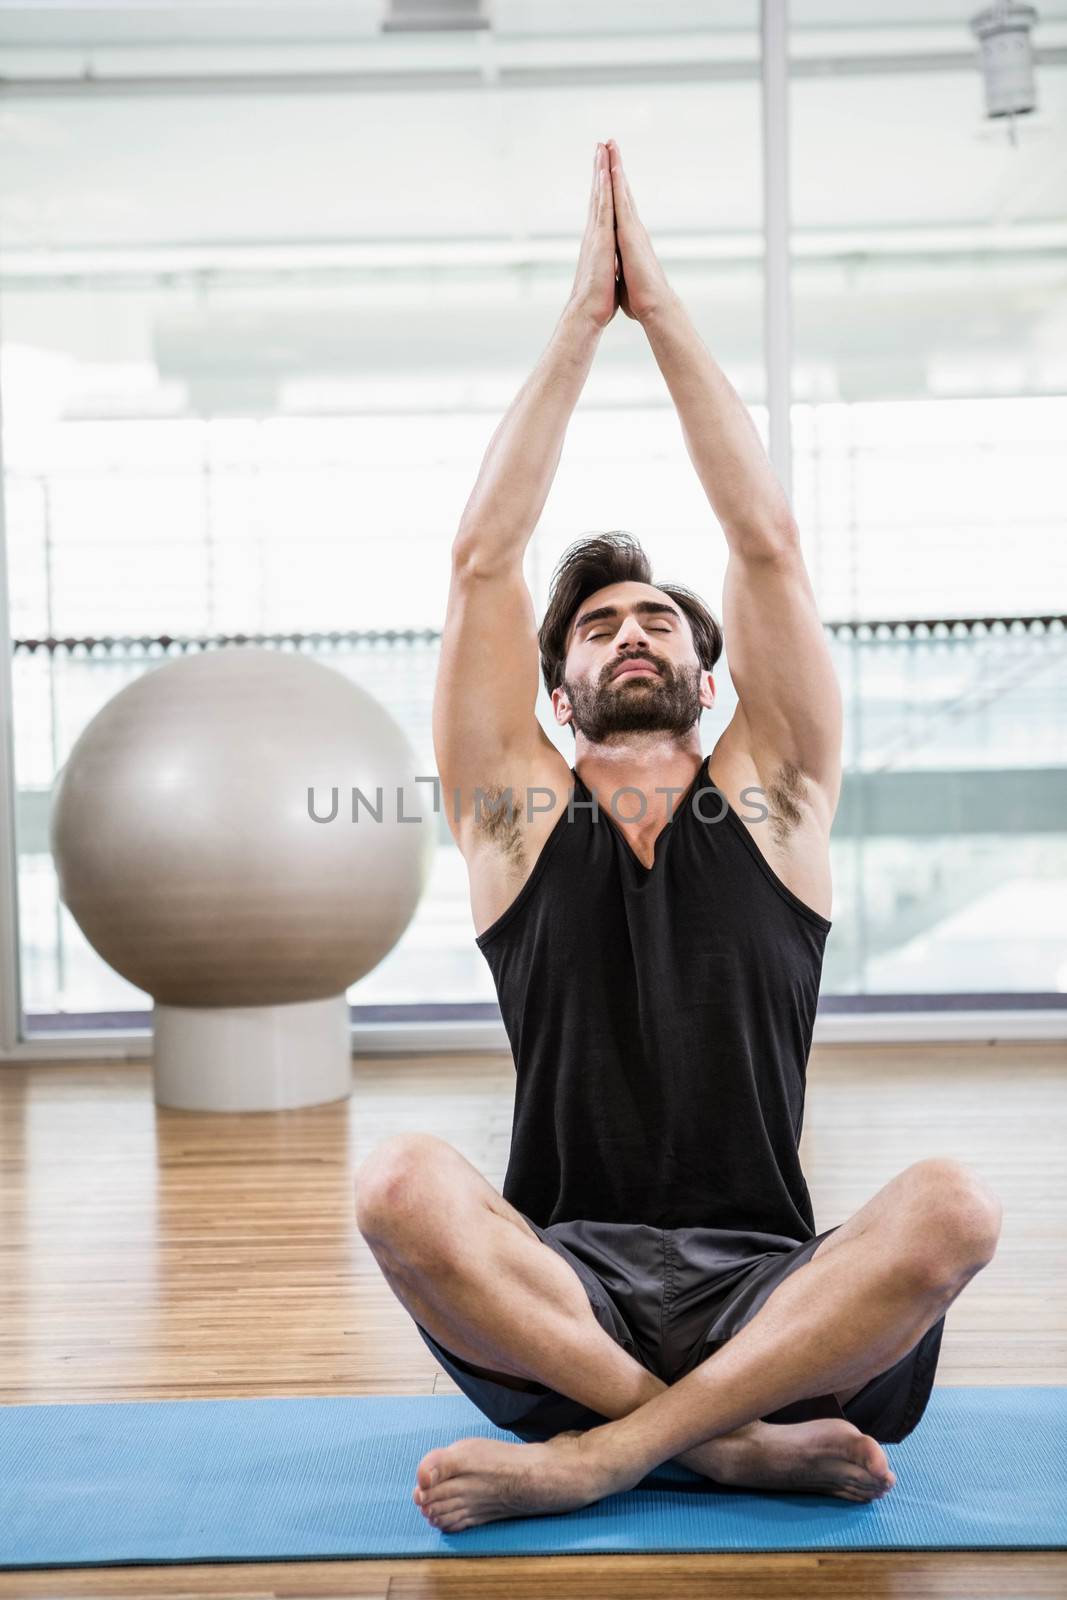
442,1508
432,1468
871,1461
875,1459
862,1488
445,1518
454,1523
458,1488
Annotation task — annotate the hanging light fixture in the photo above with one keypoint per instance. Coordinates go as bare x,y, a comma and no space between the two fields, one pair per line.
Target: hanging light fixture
1003,32
434,16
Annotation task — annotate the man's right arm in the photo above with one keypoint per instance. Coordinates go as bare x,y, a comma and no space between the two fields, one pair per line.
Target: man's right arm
523,455
485,729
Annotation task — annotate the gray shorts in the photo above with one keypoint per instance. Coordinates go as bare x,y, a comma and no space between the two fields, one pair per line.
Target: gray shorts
670,1297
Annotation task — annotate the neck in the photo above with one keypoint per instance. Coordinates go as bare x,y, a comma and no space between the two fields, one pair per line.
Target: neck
620,775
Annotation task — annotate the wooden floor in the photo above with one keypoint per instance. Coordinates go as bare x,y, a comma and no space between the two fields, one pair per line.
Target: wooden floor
147,1254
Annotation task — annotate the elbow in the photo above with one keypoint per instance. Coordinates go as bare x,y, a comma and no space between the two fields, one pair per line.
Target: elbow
486,555
469,553
771,539
470,561
781,534
785,544
462,554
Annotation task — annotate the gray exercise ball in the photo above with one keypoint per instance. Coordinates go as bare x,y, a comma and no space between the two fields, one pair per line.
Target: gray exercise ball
187,852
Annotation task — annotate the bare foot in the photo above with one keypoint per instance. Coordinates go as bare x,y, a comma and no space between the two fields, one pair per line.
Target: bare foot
825,1456
482,1480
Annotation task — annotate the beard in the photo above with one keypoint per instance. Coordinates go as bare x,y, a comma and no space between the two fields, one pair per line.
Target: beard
636,703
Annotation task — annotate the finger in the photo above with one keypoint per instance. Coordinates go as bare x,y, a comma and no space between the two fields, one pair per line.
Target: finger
594,187
617,181
606,209
620,184
590,214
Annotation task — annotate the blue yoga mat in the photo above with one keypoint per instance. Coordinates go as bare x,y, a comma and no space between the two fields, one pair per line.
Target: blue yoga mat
312,1479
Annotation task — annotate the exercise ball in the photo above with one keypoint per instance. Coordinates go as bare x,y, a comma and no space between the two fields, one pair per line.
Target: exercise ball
203,834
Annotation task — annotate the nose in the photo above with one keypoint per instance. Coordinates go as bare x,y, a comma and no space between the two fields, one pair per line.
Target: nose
632,643
632,639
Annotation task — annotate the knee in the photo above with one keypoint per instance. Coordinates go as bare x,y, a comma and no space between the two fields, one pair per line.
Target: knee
390,1184
958,1218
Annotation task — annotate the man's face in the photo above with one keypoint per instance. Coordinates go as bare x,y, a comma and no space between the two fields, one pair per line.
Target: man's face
631,665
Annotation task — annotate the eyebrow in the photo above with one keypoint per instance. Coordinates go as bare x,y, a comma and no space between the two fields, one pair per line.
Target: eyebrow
643,607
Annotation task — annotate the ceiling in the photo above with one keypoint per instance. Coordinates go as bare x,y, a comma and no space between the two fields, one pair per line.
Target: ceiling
241,225
124,22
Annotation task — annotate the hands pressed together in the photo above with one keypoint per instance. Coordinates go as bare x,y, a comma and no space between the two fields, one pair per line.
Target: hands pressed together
617,265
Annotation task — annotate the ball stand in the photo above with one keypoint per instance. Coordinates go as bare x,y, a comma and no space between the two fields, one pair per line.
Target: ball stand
252,1058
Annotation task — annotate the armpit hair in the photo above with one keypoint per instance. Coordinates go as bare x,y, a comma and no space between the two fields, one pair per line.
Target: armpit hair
498,823
787,793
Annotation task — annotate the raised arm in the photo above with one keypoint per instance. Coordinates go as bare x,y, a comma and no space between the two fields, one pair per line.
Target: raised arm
790,699
484,723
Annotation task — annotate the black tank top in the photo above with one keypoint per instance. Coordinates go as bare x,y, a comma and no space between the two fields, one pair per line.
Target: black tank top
660,1019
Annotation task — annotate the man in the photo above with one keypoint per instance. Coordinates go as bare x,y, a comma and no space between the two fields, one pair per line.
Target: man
658,964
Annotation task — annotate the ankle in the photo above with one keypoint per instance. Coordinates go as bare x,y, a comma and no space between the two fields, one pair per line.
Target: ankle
611,1464
711,1453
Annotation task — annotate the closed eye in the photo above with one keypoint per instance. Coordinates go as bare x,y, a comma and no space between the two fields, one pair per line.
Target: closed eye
603,633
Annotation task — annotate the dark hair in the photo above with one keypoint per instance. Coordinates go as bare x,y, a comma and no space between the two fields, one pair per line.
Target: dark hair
591,564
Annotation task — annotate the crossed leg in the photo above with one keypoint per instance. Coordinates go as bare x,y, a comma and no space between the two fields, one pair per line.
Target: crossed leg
470,1270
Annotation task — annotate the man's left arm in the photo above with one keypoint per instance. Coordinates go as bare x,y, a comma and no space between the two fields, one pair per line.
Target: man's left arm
782,669
779,658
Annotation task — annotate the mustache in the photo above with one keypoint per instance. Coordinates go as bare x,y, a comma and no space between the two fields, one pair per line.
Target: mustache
636,661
